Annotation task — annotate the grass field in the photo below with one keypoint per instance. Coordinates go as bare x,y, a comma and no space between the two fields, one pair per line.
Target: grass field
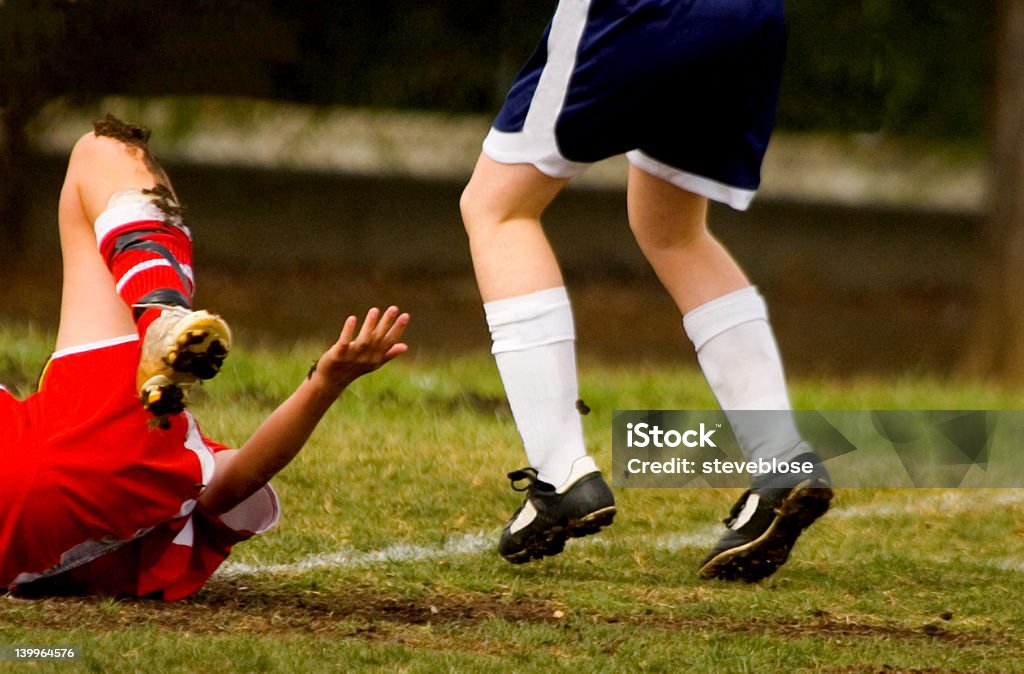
384,558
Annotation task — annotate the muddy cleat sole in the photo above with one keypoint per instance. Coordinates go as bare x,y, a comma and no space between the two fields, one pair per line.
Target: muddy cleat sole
547,518
181,348
161,397
765,524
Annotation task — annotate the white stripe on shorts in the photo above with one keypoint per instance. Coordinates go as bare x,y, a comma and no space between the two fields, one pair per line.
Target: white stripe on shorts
194,442
93,346
712,189
536,143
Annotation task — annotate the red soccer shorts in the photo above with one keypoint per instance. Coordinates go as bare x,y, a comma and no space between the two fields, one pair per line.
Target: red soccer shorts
81,460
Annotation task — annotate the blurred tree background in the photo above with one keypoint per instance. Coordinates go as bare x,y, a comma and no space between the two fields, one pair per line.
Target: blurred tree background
903,66
896,68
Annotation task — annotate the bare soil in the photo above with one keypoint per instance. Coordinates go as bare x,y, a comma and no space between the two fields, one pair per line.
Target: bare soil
368,613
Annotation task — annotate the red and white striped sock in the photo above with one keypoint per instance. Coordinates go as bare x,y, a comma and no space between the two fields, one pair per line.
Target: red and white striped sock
149,253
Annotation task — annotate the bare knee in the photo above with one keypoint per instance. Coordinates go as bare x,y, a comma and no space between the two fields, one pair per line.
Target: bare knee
94,154
498,194
670,235
487,211
111,158
115,146
477,208
664,216
675,223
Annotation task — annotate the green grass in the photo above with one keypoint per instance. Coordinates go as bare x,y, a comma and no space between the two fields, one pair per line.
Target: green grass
384,556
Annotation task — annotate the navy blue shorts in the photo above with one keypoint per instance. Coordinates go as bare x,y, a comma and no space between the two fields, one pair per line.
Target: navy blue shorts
687,89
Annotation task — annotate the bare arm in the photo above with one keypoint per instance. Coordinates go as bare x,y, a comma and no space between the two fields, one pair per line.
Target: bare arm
279,438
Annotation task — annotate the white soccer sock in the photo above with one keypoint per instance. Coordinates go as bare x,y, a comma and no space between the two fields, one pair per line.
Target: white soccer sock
740,359
535,350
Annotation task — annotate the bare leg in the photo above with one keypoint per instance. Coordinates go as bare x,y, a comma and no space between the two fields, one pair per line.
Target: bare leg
501,208
723,315
528,311
670,225
138,276
91,310
530,320
728,323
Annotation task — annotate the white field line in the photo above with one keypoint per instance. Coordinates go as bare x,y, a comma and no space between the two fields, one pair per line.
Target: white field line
1005,564
949,502
702,536
464,544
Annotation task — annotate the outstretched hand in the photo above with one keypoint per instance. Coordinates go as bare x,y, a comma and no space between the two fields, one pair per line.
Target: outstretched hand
280,437
355,354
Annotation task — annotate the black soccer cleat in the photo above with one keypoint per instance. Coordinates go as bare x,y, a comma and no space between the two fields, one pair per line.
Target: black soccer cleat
765,523
547,518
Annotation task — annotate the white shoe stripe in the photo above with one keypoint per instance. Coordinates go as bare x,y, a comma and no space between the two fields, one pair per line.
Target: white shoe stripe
525,516
749,508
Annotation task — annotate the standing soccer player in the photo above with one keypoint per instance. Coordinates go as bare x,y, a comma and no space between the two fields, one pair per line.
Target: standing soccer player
106,483
687,89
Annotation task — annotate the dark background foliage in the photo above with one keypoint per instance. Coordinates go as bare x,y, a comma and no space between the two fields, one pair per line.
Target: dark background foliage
901,66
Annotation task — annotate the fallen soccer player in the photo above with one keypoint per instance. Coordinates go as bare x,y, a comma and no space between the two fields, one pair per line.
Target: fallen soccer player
107,484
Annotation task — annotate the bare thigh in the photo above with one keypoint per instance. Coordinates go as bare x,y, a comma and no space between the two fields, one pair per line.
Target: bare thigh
91,311
670,225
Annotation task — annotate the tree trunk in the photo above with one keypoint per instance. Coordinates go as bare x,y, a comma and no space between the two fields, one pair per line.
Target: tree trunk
996,347
9,235
13,154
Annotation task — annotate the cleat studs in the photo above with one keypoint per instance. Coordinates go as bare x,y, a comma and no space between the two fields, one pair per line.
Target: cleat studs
151,397
194,337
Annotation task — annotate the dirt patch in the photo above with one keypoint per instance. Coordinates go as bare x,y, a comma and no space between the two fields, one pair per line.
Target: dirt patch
830,629
238,608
